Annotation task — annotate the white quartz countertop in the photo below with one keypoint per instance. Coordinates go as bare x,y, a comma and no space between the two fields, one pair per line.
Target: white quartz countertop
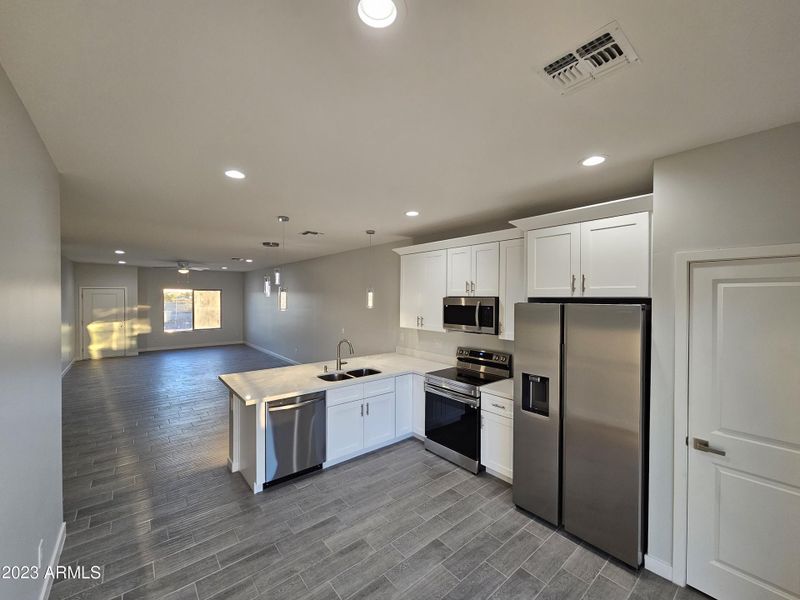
268,385
503,388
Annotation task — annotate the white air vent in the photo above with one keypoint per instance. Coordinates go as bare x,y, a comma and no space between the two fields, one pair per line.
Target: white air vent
607,50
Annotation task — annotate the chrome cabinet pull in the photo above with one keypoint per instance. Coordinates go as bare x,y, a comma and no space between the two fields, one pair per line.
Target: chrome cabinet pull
703,446
573,283
367,408
583,283
422,321
466,287
472,286
362,410
498,406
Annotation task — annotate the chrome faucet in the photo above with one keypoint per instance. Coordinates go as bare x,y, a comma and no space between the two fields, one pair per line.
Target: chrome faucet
339,361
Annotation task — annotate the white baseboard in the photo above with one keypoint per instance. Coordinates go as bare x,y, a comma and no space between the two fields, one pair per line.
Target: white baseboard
190,346
68,367
658,566
271,353
59,546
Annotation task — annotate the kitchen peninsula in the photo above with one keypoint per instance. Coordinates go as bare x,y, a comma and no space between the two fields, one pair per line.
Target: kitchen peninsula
361,413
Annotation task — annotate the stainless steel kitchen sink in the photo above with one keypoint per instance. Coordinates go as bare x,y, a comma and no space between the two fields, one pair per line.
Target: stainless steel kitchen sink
335,376
362,372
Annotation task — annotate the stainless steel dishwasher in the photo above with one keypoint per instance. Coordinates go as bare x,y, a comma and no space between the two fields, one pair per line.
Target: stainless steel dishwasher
295,435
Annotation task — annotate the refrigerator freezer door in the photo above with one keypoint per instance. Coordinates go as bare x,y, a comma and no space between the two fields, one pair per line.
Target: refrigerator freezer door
603,399
537,411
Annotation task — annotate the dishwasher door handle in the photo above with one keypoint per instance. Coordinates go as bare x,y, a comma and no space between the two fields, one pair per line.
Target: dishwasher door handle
296,404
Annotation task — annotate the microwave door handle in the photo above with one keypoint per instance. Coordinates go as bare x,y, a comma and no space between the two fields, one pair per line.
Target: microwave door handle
478,314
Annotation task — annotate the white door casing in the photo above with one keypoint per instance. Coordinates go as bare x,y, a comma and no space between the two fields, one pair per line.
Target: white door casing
103,323
743,519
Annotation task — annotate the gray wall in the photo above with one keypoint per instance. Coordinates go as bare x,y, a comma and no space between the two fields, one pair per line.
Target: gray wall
67,313
327,301
30,355
151,308
94,275
743,192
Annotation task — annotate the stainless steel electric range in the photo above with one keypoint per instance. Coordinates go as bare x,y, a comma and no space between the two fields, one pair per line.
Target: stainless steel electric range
453,402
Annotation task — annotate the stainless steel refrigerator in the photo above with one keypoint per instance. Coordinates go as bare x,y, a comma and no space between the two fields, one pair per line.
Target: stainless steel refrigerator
580,405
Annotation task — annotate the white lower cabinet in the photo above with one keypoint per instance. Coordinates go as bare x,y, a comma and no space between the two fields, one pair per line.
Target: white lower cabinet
345,429
418,405
362,417
403,405
497,436
379,419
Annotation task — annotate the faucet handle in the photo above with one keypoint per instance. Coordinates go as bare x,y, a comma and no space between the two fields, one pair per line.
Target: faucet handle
344,362
324,368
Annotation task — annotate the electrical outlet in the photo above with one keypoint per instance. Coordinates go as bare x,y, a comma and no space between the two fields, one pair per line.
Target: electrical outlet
41,543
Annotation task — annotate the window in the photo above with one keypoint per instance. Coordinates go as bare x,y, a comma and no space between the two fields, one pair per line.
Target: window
190,310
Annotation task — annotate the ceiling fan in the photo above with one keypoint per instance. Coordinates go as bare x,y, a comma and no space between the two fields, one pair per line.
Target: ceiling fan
184,266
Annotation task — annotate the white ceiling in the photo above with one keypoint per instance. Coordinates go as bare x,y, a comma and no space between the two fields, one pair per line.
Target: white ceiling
143,104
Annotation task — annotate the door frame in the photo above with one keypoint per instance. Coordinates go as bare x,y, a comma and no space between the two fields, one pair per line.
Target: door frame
124,313
680,482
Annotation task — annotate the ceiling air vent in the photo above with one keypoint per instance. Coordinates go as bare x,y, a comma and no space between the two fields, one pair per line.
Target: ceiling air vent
607,50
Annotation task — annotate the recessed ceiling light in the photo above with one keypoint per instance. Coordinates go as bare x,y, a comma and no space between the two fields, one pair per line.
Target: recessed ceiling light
234,174
377,13
121,262
119,251
412,213
224,268
183,271
248,260
592,161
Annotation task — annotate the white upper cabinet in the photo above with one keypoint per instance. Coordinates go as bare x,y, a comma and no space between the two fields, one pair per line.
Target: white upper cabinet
422,287
615,256
554,261
512,283
473,270
485,269
601,258
459,271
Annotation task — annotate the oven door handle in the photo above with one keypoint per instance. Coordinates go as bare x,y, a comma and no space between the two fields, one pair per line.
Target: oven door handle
451,395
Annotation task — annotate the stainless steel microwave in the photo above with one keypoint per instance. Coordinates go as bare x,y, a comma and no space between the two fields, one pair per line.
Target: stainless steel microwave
473,314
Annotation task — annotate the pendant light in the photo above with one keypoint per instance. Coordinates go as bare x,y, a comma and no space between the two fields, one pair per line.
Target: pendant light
267,287
283,293
370,290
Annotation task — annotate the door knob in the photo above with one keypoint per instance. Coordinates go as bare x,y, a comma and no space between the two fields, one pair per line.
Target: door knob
703,446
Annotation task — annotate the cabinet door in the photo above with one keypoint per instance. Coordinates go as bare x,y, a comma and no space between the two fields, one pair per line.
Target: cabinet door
403,410
411,280
379,421
554,261
418,404
485,269
433,289
459,271
615,256
512,283
345,429
496,443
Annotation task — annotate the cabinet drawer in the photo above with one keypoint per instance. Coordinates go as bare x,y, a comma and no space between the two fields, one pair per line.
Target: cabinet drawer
345,394
376,388
502,407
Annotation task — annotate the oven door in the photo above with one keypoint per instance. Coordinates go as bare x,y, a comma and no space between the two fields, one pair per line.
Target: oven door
452,424
473,314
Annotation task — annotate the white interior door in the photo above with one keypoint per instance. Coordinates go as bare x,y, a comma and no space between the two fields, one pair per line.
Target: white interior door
554,261
744,400
103,322
459,271
486,269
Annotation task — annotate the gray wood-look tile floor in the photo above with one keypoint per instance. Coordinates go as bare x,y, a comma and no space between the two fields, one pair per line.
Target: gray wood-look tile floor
147,496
